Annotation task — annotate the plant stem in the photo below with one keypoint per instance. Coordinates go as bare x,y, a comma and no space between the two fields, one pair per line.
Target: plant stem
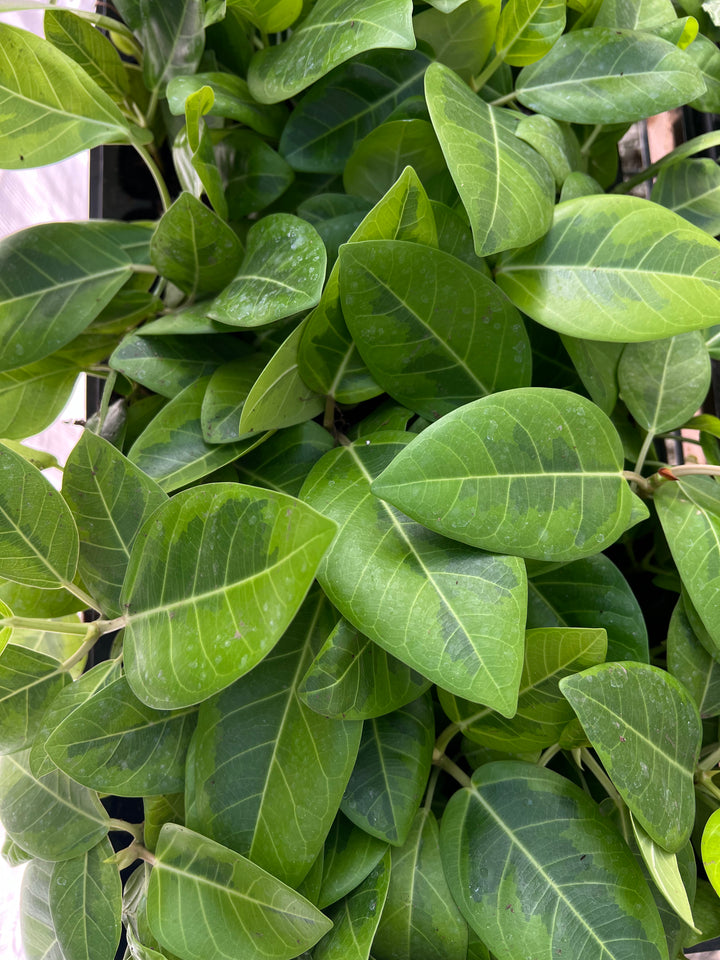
78,592
592,137
696,145
482,78
49,626
642,482
446,736
105,399
430,792
548,754
144,268
502,100
157,177
695,469
711,760
134,829
647,443
446,764
600,775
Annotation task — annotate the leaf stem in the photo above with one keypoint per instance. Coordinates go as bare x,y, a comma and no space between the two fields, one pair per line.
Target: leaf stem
48,626
143,268
647,443
694,469
482,78
134,829
446,736
446,764
502,100
430,792
158,178
696,145
78,592
710,761
591,138
545,757
592,764
108,388
642,482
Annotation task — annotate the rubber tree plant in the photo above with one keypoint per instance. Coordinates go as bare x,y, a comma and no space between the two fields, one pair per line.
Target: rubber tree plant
376,505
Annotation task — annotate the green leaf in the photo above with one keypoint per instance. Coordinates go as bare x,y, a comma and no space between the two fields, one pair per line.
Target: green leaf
691,188
201,893
432,330
463,38
37,531
551,653
282,273
5,632
711,850
454,236
333,32
505,186
172,449
641,15
97,56
547,465
52,109
169,364
254,175
159,811
616,268
556,143
110,499
225,397
528,30
596,364
579,184
705,55
28,683
590,593
354,679
270,16
56,278
32,397
39,939
259,751
350,854
85,901
115,744
356,918
691,664
231,99
173,38
550,845
31,808
182,645
665,872
608,76
646,730
345,106
391,771
451,613
284,460
194,248
663,382
420,918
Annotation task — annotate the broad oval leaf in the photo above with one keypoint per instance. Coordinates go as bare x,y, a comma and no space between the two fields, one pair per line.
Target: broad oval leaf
546,466
616,268
452,614
691,188
282,462
94,52
271,16
349,855
550,845
356,918
225,397
282,273
259,751
39,939
461,38
184,645
253,174
173,38
527,30
28,683
201,892
609,76
641,15
32,397
690,663
333,31
231,99
434,332
505,186
646,730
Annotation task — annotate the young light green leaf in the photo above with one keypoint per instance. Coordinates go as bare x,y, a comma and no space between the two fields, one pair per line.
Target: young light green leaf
194,248
505,186
85,901
550,844
391,771
556,143
39,939
282,273
168,364
528,29
270,16
646,730
283,462
691,664
663,382
258,750
31,397
546,464
616,268
32,807
201,893
184,645
333,32
706,57
691,188
349,856
463,38
231,99
664,870
356,918
711,850
432,330
51,108
579,184
28,683
173,38
420,918
451,613
353,678
97,56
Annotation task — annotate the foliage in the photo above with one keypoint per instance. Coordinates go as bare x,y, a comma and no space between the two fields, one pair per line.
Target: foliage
415,636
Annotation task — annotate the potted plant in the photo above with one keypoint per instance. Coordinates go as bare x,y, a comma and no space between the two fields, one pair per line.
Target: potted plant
416,633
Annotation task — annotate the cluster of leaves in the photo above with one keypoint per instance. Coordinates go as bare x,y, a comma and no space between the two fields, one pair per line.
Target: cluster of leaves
383,382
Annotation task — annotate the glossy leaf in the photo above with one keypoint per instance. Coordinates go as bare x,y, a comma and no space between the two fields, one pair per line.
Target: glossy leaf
646,730
433,331
194,248
556,143
558,496
253,174
159,811
691,188
609,76
349,855
346,105
201,893
173,39
420,918
31,397
711,850
85,901
110,500
39,939
333,32
28,683
356,918
182,646
31,808
282,462
528,29
462,38
452,614
664,870
639,16
391,771
282,273
51,108
259,751
663,382
549,844
691,664
616,268
505,186
231,99
87,46
270,15
225,397
354,679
